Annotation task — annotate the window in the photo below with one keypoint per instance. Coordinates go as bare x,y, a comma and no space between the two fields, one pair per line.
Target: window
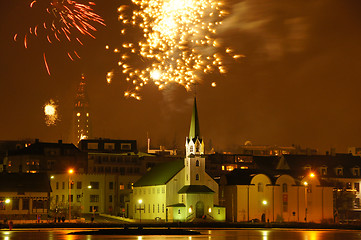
219,211
71,198
153,208
62,198
109,146
323,170
26,204
162,208
15,203
93,146
94,198
125,146
78,198
121,186
284,187
56,198
260,187
148,208
339,171
197,177
95,185
57,185
111,184
197,163
357,186
356,171
78,185
179,211
63,185
72,185
158,208
110,198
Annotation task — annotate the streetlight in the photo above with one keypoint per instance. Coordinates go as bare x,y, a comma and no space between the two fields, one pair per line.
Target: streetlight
264,202
70,171
306,186
140,209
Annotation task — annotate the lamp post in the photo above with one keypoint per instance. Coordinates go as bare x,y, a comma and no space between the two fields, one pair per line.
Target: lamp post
140,209
264,202
306,185
71,171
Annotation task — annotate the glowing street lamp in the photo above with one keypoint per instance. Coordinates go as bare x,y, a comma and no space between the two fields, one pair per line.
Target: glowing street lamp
7,200
306,186
70,171
140,209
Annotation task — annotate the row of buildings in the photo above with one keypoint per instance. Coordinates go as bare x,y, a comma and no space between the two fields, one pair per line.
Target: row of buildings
113,177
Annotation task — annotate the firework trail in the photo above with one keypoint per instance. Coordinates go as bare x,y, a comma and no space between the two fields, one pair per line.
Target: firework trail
61,21
178,43
51,113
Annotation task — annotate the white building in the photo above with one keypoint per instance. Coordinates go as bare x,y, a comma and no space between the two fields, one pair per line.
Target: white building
179,190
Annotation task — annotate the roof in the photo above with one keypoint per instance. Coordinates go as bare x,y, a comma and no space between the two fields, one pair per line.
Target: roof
194,131
195,189
160,174
242,176
39,148
24,182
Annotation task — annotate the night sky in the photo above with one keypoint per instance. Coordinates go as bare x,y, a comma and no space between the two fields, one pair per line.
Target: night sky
300,82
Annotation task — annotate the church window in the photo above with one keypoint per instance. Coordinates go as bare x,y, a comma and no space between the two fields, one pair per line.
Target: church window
148,208
179,211
284,187
158,207
153,208
182,198
187,177
197,163
260,187
191,149
162,208
197,177
163,190
219,211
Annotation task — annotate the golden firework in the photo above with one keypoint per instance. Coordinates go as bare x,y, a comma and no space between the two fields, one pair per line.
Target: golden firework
51,113
178,42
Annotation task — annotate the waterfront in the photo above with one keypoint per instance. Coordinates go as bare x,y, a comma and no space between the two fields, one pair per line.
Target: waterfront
214,234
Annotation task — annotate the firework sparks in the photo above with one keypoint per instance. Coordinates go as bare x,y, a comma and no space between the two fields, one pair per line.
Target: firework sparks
179,43
62,21
51,113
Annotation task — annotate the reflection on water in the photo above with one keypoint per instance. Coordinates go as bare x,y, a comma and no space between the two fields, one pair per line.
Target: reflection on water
241,234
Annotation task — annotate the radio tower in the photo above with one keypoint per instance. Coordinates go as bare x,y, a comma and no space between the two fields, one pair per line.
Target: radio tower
81,116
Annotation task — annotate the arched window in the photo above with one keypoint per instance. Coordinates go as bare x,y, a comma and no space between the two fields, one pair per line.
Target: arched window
284,187
197,163
260,187
197,177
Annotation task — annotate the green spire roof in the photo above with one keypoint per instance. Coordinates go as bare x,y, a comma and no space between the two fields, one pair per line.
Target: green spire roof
194,131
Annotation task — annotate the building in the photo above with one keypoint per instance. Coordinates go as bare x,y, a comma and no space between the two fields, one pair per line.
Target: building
24,196
179,190
81,119
45,157
252,195
90,193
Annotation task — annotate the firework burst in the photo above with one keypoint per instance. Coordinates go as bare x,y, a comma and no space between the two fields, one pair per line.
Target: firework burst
178,43
51,113
61,21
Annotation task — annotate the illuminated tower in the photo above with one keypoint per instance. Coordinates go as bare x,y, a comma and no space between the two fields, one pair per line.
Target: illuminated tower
194,162
81,115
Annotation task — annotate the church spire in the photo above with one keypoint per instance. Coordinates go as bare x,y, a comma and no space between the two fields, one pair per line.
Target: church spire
194,143
194,131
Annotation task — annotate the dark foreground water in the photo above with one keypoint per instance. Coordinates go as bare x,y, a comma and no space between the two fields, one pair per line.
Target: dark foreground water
218,234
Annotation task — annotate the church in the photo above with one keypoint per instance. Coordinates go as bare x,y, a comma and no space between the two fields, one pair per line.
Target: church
179,190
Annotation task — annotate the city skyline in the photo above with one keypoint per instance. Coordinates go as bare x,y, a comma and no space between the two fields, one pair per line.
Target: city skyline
298,83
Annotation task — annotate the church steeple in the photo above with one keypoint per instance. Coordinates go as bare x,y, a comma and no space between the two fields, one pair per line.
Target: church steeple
194,131
194,143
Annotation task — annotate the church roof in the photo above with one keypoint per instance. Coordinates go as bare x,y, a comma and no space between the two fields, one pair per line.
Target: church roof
195,189
161,173
194,130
